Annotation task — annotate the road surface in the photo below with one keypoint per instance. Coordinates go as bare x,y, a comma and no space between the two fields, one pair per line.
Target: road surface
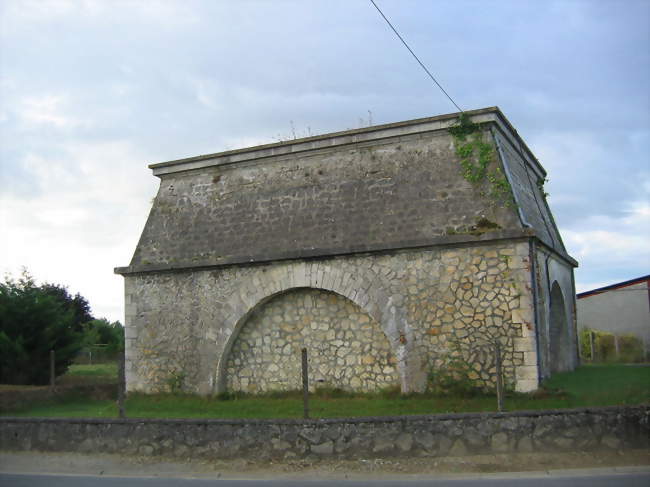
543,479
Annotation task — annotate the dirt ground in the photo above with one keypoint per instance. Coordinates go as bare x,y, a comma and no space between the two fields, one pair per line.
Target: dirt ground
115,465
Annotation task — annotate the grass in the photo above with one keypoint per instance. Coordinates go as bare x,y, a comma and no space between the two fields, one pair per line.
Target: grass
587,386
603,385
89,374
108,370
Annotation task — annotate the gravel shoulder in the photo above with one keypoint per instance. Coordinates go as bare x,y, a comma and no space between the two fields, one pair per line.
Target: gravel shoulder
416,468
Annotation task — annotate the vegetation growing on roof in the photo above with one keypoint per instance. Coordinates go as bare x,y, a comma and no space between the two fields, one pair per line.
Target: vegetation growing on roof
478,160
540,185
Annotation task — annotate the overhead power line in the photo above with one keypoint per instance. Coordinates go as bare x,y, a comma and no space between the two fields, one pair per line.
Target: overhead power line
416,58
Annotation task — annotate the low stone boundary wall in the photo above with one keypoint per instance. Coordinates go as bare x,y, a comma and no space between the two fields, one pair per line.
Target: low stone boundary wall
436,435
13,399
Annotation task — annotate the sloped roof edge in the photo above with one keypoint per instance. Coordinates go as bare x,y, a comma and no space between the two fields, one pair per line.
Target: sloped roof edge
617,285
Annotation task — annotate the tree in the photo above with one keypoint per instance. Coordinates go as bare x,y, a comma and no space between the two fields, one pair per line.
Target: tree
103,332
78,304
34,320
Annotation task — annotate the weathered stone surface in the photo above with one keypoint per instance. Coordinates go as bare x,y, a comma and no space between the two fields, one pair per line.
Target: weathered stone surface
255,342
383,444
423,270
383,192
456,435
326,448
458,448
611,442
347,349
499,443
404,442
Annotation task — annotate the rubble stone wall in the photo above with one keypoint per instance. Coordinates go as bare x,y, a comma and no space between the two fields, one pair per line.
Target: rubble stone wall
347,348
432,307
605,429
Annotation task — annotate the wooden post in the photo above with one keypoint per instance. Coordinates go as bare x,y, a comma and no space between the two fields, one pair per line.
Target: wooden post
52,369
497,355
593,346
121,385
305,384
616,347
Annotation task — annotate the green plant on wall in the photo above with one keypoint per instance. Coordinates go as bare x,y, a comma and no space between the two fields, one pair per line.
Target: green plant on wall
175,381
540,186
476,160
453,379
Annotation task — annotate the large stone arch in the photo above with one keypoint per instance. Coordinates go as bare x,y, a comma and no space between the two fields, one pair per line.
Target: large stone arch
364,290
347,348
559,331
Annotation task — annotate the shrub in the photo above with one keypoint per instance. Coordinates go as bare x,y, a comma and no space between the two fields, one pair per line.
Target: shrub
33,321
102,341
453,379
630,347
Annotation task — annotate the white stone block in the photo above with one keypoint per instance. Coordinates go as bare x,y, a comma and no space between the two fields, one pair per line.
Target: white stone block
130,309
530,358
526,372
524,344
526,385
130,332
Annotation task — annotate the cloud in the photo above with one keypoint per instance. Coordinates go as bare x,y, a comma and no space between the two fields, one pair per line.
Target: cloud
92,90
607,246
20,12
611,249
47,110
84,221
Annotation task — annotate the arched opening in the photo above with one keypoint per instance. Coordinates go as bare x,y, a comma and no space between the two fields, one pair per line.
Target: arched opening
346,347
560,350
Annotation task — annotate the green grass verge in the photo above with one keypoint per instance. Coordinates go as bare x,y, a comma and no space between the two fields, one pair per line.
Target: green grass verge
588,386
603,385
96,370
89,374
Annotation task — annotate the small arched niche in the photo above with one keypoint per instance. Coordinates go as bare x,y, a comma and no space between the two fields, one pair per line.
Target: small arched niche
346,347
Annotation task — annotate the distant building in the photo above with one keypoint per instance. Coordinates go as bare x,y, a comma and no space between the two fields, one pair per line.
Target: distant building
622,309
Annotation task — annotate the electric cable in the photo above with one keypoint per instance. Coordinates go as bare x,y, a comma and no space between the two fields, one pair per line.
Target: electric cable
416,58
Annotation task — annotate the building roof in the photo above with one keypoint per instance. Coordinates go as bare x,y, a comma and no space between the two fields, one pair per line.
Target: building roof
617,285
379,188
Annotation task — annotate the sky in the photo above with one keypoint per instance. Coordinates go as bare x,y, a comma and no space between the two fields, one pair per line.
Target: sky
92,91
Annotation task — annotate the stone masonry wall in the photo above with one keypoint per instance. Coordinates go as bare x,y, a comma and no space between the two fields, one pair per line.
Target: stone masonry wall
434,306
347,349
385,192
605,429
552,271
384,216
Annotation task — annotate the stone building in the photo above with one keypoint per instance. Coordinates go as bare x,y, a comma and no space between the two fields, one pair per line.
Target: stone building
394,253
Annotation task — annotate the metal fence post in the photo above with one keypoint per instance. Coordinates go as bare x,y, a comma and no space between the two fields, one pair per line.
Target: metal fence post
52,369
497,355
305,384
121,385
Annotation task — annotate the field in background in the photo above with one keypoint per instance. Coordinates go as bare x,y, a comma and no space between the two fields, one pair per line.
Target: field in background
89,374
596,385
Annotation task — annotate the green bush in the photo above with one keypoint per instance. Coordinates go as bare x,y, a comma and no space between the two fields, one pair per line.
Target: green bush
630,348
452,380
102,341
34,320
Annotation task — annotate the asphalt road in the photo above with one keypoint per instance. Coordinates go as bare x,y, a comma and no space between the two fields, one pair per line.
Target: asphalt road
526,480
